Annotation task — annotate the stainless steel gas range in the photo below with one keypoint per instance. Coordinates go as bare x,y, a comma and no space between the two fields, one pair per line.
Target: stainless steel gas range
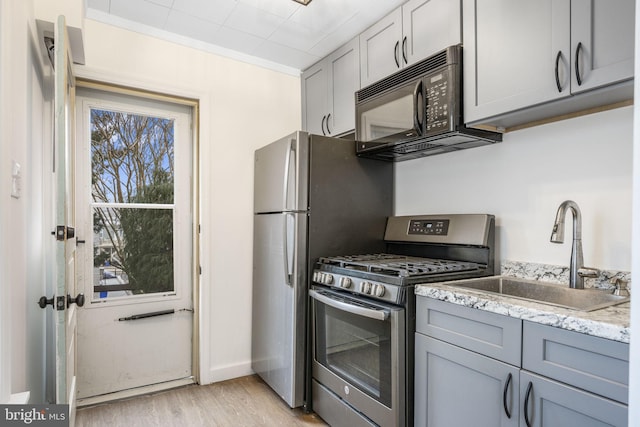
363,314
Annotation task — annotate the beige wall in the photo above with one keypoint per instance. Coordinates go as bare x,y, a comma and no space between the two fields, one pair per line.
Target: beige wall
242,107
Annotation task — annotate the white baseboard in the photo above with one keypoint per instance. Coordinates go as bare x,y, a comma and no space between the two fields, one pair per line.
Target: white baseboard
228,372
20,398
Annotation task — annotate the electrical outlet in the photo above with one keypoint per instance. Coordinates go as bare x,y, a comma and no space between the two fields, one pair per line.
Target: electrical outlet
16,180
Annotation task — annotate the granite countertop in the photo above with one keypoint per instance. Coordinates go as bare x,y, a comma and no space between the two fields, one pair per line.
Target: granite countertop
610,323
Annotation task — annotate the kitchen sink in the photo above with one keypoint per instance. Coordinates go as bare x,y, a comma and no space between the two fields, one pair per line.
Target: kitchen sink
545,293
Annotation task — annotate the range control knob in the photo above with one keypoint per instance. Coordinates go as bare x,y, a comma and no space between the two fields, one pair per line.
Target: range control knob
345,282
365,287
378,290
316,276
327,279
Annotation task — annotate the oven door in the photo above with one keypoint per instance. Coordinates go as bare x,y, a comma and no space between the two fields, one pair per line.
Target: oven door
359,354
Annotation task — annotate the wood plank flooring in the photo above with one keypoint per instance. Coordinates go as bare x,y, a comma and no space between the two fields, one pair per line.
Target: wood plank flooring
245,401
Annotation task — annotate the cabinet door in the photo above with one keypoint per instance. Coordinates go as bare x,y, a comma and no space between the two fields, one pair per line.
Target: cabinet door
457,387
429,26
604,30
344,81
553,404
314,98
510,56
380,48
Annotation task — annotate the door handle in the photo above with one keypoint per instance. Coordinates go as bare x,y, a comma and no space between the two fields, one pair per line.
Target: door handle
396,54
526,404
504,396
328,130
78,300
558,56
44,301
578,78
57,303
322,125
404,49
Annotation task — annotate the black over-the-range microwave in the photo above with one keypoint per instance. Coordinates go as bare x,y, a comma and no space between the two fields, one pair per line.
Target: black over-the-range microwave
417,111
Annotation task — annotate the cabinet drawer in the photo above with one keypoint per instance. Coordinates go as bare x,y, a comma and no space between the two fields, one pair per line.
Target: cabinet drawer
491,334
594,364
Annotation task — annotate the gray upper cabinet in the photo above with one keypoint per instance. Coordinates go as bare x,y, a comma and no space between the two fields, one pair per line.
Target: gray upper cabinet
520,54
414,31
602,37
328,87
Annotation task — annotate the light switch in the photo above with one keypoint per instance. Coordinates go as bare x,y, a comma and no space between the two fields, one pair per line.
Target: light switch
16,180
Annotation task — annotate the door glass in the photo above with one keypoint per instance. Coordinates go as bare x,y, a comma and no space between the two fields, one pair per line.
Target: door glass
356,348
132,188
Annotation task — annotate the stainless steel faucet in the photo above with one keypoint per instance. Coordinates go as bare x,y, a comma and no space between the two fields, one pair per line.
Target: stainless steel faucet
577,272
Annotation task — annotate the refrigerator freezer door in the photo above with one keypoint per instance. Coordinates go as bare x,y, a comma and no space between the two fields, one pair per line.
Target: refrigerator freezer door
279,303
280,180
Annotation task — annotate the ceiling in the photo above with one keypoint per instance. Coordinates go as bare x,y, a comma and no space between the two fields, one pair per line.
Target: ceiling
280,34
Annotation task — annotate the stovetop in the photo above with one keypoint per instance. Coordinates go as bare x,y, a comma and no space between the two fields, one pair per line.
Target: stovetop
419,249
398,265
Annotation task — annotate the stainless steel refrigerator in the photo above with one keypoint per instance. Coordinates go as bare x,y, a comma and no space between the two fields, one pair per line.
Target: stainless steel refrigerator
312,197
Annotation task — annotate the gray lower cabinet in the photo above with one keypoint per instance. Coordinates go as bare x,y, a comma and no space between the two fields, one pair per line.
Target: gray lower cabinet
474,367
457,387
548,403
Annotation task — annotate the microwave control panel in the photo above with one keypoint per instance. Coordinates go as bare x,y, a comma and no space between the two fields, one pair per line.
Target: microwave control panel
438,100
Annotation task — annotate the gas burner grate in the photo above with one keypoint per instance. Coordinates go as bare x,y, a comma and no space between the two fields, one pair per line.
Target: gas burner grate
398,265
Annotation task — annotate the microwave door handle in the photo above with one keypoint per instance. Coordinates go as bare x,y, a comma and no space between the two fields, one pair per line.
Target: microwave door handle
353,309
417,92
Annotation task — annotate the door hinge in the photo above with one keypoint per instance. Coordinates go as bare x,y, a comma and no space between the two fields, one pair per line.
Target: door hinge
60,303
63,233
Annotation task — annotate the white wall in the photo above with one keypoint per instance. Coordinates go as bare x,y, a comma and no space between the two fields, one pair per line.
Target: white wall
523,180
23,226
634,356
242,107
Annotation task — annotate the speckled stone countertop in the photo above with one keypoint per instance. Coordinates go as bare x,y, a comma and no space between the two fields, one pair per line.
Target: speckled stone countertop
610,323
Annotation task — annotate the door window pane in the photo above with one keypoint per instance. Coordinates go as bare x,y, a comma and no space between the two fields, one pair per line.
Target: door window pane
132,158
132,187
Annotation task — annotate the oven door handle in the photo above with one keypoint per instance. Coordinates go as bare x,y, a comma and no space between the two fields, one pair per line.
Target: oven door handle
353,309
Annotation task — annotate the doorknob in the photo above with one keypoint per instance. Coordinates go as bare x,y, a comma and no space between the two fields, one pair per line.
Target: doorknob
44,301
79,300
58,302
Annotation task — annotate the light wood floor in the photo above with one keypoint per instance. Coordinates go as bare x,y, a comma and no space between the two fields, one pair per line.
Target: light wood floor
245,401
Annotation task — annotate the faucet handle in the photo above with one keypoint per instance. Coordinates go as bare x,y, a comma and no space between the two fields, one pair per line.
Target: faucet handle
621,288
588,272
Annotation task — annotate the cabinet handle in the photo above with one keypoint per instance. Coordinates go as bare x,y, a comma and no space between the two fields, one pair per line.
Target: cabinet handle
578,78
526,404
322,124
328,130
504,396
396,54
558,56
404,49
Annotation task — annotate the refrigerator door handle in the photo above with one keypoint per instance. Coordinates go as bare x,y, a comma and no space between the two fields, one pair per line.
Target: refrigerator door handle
288,273
287,171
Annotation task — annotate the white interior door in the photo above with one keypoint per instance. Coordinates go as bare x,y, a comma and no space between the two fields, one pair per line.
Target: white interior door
135,192
65,309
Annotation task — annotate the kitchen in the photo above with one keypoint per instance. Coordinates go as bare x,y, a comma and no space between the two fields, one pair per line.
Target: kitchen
521,180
